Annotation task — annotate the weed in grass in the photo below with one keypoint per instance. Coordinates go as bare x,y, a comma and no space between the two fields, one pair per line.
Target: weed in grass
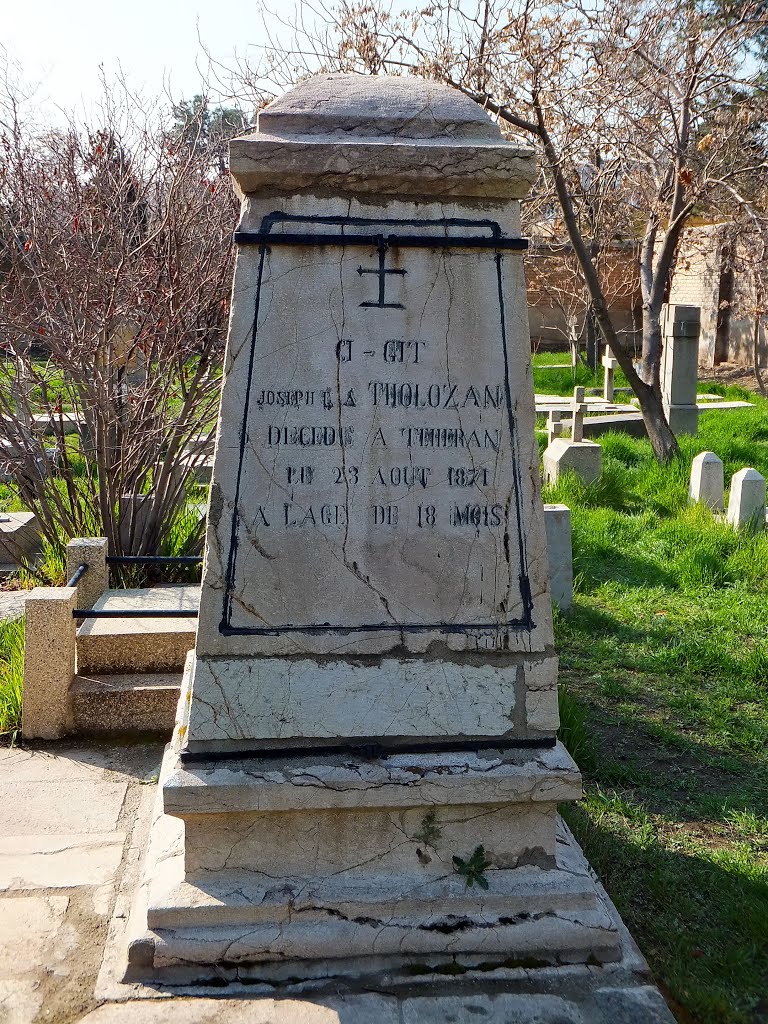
574,731
11,676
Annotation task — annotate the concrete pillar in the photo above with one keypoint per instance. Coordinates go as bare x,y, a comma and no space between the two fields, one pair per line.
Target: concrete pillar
746,504
707,481
681,326
557,522
49,662
90,551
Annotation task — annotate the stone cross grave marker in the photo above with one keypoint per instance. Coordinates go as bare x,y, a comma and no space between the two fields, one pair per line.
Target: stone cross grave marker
578,408
372,697
554,425
610,363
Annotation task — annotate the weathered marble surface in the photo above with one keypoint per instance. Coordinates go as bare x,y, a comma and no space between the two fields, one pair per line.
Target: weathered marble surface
376,570
373,484
292,881
400,137
280,698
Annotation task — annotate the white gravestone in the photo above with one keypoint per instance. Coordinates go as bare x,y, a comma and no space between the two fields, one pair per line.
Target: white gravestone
557,521
373,689
610,364
746,502
706,484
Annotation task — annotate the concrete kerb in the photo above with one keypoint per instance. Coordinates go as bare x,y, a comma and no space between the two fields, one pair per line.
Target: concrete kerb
49,662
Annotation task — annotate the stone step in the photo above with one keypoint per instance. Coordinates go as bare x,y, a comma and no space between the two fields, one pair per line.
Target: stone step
113,645
125,703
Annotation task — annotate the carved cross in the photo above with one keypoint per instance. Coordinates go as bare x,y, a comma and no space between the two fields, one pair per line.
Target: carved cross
382,271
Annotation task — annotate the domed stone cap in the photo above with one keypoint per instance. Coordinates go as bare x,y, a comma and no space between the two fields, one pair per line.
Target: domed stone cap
352,134
403,107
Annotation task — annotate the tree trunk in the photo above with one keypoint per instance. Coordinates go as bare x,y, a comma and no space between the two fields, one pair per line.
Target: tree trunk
650,366
663,441
593,340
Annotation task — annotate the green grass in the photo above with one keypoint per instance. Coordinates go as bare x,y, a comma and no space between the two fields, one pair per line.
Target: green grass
11,676
561,381
664,672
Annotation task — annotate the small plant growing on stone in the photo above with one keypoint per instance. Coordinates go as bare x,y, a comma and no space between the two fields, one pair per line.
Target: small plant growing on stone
430,831
473,869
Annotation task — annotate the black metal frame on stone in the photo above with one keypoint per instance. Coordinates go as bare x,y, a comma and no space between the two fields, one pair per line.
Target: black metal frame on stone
265,239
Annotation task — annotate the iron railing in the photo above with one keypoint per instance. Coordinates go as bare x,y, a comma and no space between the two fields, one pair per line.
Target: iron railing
136,613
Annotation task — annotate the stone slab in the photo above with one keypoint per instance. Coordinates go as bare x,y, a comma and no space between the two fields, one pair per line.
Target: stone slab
119,645
360,1008
19,536
70,805
82,761
310,781
27,924
277,699
32,941
59,861
170,598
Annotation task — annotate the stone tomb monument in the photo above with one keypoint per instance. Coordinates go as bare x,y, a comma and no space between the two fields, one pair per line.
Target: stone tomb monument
365,770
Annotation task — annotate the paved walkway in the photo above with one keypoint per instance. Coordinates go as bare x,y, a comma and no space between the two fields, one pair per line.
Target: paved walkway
64,817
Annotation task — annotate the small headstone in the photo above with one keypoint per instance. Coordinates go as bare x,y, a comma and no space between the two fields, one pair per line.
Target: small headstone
584,458
746,504
707,484
557,520
680,367
610,363
368,723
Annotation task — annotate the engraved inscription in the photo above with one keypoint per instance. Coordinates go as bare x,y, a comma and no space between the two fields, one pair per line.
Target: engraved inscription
379,448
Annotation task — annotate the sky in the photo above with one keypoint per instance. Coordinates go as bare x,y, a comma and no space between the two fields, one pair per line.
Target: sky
60,44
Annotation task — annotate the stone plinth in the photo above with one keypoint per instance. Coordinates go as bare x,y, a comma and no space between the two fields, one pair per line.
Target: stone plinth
372,700
746,502
584,458
706,484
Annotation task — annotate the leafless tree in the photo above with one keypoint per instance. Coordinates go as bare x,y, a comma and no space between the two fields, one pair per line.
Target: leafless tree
115,271
636,108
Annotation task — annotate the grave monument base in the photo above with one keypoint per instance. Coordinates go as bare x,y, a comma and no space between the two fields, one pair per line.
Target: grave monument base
327,865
